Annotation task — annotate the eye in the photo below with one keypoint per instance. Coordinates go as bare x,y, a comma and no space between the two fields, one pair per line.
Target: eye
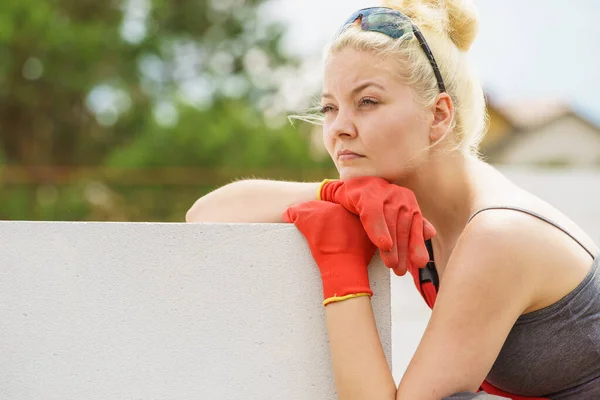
367,102
326,109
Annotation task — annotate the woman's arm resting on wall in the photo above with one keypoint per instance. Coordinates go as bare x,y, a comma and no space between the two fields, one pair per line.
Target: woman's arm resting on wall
360,368
251,201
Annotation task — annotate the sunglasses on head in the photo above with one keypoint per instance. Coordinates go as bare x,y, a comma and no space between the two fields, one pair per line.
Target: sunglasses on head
394,24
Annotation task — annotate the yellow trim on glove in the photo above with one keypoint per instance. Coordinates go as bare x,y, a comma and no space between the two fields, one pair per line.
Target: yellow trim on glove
342,298
321,187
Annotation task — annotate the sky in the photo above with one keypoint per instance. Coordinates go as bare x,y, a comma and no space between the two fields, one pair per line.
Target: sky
525,49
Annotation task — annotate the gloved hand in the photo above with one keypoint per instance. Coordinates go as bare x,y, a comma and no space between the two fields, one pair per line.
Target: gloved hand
391,217
339,245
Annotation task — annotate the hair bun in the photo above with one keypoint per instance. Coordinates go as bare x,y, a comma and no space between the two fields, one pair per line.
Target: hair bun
458,19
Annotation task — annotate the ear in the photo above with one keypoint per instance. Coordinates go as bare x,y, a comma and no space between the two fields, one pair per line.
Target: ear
443,114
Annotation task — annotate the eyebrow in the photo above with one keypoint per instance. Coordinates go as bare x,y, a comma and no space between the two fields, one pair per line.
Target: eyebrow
357,89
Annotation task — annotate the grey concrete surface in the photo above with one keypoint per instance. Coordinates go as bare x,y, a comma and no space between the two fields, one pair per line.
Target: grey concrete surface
165,311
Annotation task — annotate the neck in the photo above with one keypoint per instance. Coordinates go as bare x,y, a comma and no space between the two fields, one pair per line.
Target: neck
445,192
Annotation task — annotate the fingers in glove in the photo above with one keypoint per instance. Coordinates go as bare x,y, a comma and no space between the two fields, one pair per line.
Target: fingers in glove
376,226
390,257
418,254
307,209
428,230
289,215
402,237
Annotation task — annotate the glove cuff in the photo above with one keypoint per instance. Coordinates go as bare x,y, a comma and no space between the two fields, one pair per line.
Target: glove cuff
335,299
327,189
348,278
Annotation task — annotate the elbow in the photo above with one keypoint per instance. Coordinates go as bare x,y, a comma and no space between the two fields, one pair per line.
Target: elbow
200,211
193,214
389,392
214,206
393,393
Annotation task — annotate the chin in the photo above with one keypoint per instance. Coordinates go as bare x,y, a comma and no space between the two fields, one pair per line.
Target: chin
349,173
397,178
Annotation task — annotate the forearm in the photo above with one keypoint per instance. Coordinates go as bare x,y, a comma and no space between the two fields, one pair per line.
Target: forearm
359,364
251,201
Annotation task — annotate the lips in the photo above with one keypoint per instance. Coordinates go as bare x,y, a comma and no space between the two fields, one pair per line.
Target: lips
347,155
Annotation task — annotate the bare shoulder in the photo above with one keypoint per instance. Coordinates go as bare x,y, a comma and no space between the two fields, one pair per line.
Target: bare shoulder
513,246
495,249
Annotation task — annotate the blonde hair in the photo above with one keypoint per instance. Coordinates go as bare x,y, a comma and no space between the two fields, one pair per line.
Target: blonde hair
450,27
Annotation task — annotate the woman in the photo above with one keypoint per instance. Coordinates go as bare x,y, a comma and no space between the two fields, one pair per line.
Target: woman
515,283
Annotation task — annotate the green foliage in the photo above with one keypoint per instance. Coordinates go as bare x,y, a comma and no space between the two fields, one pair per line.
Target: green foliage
229,135
137,83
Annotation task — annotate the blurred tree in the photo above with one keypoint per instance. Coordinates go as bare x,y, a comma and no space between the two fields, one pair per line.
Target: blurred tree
81,77
138,83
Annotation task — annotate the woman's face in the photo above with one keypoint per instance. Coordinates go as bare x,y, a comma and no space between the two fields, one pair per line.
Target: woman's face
372,124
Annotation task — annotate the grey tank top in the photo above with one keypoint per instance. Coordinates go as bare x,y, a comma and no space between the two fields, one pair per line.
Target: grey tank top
554,352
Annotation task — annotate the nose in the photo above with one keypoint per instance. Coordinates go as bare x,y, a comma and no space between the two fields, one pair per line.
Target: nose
343,126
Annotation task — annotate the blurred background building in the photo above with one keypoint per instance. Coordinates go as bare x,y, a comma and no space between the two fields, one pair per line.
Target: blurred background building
546,133
130,110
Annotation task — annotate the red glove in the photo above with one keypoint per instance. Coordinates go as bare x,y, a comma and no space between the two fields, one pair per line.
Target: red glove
338,244
391,217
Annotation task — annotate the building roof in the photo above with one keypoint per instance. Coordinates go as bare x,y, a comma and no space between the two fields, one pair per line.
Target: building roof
527,116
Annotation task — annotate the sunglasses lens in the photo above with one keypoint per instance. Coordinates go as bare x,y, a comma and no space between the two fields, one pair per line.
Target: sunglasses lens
390,24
